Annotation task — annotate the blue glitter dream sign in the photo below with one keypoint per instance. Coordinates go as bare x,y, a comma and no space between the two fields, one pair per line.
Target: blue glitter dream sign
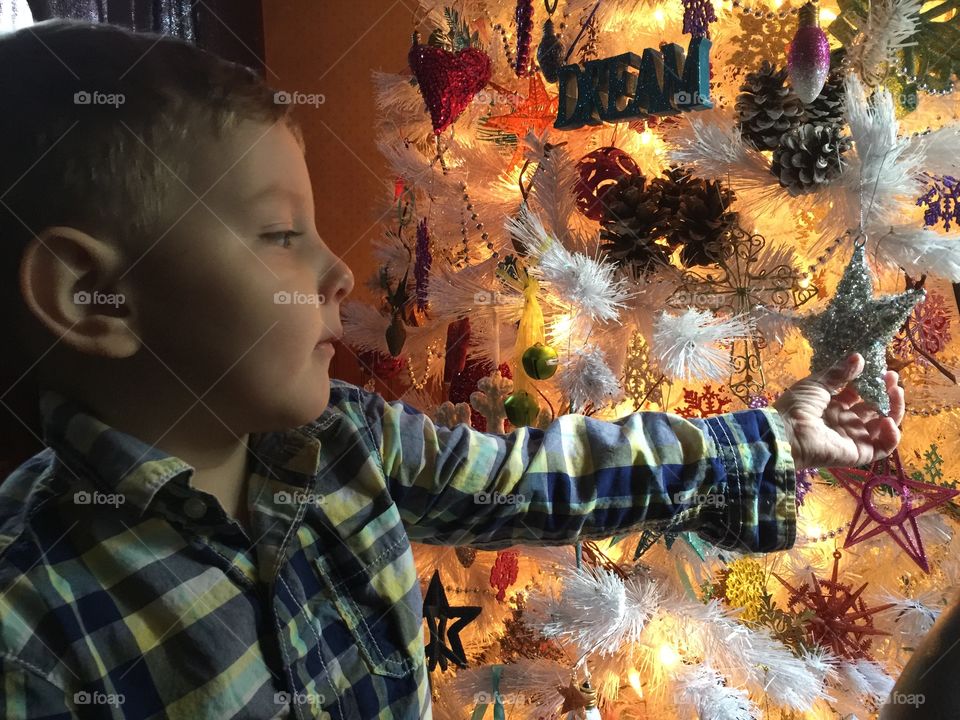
664,82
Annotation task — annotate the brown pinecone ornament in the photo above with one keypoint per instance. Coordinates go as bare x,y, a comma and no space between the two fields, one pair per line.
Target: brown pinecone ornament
809,157
830,105
635,223
702,221
766,107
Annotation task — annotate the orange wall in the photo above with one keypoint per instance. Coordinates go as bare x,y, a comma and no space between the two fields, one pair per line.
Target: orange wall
321,46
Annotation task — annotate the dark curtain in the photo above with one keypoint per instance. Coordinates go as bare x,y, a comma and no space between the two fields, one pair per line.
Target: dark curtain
232,29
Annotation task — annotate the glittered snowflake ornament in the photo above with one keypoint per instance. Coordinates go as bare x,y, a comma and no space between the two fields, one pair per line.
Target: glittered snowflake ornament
856,321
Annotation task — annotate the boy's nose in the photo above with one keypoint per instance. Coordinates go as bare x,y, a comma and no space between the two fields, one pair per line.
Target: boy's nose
338,279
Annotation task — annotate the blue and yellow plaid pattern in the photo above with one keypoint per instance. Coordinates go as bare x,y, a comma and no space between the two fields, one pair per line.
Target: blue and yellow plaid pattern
126,593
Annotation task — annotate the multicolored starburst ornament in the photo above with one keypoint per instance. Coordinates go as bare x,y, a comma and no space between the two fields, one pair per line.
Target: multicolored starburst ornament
856,321
915,499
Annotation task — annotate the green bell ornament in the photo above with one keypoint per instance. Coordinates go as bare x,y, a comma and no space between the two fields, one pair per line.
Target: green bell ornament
540,361
522,408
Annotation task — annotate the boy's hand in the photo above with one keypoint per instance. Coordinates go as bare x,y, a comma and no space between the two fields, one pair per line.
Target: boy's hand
829,425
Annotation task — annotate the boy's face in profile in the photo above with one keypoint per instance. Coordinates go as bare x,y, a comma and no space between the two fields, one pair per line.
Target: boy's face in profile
234,297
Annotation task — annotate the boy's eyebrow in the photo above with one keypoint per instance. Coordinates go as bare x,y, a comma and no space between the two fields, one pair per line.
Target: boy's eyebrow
273,189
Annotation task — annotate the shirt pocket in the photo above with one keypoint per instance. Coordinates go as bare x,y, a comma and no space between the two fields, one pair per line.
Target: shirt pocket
381,627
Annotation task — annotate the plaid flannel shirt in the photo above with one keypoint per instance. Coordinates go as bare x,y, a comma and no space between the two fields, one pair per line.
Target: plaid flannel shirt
126,593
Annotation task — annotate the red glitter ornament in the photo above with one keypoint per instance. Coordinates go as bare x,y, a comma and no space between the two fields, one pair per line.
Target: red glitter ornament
458,345
599,171
448,81
841,620
503,574
915,499
380,365
465,383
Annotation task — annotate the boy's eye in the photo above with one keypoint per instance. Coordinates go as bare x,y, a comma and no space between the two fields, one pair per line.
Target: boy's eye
283,235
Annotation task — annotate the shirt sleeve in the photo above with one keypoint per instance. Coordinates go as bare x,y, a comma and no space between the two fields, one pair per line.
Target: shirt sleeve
24,693
730,477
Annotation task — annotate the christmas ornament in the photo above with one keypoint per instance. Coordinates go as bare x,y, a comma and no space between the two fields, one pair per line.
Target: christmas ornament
524,18
540,361
697,16
705,404
640,382
437,611
458,345
380,365
421,269
808,60
466,382
855,321
840,620
490,400
661,82
744,587
550,52
829,107
450,415
635,226
579,702
915,499
809,157
752,273
766,107
762,37
926,331
447,80
804,485
521,409
700,217
396,300
504,572
942,200
534,113
466,555
396,334
598,171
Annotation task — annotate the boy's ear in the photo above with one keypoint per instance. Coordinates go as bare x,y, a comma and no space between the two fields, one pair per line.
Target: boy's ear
72,283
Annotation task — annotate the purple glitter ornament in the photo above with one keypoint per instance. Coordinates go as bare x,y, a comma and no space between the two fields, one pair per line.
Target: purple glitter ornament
803,483
697,16
524,17
942,201
808,58
421,269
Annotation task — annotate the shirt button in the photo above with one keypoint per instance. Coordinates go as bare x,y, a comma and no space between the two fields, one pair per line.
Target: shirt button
194,508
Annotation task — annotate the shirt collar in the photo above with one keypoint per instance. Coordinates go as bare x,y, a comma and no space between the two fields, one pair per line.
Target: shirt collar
121,463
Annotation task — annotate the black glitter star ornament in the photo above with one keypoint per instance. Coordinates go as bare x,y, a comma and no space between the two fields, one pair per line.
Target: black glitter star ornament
436,611
856,321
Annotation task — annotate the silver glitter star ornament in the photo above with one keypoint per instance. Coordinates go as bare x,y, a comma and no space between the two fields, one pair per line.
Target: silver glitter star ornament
856,321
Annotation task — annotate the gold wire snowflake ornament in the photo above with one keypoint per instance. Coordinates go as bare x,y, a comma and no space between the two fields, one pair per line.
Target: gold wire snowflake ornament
750,274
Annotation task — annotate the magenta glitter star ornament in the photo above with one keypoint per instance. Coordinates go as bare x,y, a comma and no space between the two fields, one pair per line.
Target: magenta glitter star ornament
915,499
808,58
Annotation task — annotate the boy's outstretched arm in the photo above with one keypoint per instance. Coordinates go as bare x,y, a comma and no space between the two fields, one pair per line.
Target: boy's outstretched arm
730,477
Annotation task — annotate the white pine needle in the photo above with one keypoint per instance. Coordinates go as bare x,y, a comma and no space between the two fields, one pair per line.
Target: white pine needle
685,345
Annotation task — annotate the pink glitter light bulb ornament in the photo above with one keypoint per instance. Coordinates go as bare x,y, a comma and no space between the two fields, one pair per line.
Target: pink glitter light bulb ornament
808,59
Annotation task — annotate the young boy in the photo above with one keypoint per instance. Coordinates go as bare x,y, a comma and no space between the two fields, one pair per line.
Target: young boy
217,529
